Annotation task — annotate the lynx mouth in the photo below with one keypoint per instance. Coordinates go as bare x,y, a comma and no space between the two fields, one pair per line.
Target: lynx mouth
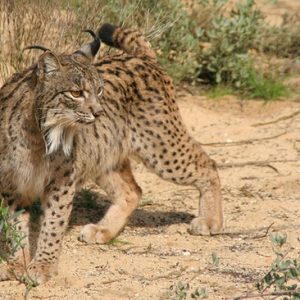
85,117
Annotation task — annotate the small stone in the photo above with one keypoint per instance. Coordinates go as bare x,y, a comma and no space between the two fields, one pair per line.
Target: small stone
186,253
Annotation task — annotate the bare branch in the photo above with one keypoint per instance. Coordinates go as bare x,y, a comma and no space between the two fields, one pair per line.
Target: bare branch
265,163
261,295
284,118
242,142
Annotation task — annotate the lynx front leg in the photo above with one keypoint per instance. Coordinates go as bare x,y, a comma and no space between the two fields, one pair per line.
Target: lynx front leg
125,193
57,207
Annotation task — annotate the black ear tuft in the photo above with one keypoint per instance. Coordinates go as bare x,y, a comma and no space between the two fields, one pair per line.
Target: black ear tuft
39,47
91,32
88,52
105,33
95,45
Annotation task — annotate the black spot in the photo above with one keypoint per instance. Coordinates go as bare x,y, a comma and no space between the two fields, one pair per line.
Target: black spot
56,198
67,173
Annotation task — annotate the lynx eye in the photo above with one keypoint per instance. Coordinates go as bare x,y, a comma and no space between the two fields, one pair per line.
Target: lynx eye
76,94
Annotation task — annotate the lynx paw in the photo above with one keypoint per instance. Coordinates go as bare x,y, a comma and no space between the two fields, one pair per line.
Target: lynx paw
199,226
38,273
94,234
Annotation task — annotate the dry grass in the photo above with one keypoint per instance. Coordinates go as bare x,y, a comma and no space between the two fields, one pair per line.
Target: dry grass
184,37
49,23
58,25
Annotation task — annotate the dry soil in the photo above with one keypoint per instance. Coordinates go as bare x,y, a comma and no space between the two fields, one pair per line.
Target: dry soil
260,177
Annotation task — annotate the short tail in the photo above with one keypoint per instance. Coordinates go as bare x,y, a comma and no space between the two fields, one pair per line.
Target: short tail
129,40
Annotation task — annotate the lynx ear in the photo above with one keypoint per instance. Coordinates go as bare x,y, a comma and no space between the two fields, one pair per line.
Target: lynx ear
88,52
48,64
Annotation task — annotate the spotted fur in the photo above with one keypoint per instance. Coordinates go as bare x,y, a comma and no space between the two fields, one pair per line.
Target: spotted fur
143,121
137,116
41,111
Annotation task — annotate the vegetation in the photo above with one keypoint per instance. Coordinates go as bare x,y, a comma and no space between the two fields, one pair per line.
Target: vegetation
228,55
183,291
283,276
10,237
283,41
207,43
282,279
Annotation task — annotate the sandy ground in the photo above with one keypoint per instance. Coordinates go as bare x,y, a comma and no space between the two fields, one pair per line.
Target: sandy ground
154,252
275,9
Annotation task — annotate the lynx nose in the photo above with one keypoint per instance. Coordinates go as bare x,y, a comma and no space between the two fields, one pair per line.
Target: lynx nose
96,111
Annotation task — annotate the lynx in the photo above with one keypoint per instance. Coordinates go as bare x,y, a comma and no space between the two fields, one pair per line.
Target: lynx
48,153
41,111
143,120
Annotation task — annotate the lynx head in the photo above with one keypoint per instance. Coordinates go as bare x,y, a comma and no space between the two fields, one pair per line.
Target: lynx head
67,93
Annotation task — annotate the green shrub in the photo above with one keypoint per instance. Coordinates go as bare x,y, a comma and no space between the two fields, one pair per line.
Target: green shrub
205,42
226,60
263,87
177,46
283,276
182,291
58,25
282,279
168,26
228,39
10,237
282,40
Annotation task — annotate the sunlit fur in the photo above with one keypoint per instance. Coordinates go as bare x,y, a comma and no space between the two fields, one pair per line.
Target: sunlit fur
42,111
137,115
60,116
142,119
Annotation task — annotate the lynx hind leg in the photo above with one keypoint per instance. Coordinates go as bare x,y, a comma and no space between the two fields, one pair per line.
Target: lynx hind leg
175,156
210,215
125,194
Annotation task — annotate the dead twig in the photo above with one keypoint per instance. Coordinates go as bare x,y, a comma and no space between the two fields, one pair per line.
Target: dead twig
265,234
244,142
249,163
47,297
262,295
252,233
170,275
112,280
248,234
265,163
278,120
